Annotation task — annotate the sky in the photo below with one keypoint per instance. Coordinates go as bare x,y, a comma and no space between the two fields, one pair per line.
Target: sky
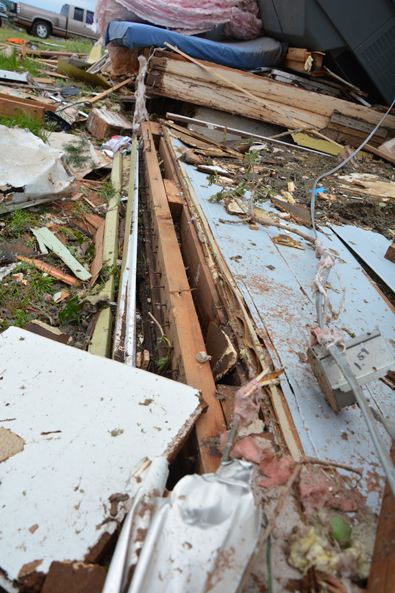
56,5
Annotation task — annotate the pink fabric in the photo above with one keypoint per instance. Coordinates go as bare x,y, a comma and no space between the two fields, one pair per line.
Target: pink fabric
184,16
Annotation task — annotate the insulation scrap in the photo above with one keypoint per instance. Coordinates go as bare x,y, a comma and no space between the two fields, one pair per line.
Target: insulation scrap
278,470
251,449
247,403
310,549
319,487
240,17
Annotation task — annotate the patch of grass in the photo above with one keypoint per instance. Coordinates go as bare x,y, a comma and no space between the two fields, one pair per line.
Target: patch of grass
15,64
106,191
24,121
78,46
19,222
75,44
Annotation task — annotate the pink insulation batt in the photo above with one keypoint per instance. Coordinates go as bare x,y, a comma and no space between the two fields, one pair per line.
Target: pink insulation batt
189,17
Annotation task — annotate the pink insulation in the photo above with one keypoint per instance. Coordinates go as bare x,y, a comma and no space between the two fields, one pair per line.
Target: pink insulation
252,450
318,488
278,470
189,17
247,403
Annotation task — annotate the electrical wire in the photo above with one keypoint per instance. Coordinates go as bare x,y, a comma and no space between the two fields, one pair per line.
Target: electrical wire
338,357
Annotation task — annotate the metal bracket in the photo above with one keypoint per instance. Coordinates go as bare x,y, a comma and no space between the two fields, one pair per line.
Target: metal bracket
368,356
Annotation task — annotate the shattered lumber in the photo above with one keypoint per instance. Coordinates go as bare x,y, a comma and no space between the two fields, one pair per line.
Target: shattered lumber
286,105
183,329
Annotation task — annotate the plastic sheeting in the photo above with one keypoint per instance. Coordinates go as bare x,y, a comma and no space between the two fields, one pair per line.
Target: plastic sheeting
31,172
201,537
242,55
185,16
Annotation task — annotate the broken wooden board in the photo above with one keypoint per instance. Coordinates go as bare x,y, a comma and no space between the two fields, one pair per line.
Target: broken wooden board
382,572
273,280
85,422
220,348
103,123
299,213
285,105
174,197
11,106
101,339
50,241
48,269
183,330
47,331
321,145
373,185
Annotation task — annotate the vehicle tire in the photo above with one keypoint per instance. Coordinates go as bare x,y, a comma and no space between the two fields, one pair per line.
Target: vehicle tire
41,29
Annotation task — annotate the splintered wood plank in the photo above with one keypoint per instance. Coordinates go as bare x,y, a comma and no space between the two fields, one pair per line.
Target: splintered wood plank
53,243
184,330
207,300
382,571
280,94
174,197
97,262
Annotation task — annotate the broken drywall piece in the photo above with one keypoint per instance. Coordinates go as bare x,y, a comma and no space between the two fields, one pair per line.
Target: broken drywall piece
90,158
31,172
50,241
66,404
10,444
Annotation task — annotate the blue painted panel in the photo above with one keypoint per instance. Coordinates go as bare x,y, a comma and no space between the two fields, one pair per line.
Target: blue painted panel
275,283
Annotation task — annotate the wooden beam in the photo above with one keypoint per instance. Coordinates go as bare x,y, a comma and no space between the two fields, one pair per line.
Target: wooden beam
280,94
174,197
183,329
382,571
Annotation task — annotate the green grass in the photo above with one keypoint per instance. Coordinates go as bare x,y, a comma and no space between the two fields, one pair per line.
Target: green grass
19,222
106,191
14,63
24,120
75,44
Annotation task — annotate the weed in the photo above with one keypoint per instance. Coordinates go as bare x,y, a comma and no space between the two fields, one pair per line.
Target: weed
108,271
19,222
77,153
42,284
106,191
162,364
21,318
24,121
70,312
13,63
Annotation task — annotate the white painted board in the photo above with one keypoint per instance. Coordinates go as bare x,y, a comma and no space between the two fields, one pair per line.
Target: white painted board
62,480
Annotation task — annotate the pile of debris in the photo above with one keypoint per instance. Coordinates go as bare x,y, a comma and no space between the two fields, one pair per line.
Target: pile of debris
160,303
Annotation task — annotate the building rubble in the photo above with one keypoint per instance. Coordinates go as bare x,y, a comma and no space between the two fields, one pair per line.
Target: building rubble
196,250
